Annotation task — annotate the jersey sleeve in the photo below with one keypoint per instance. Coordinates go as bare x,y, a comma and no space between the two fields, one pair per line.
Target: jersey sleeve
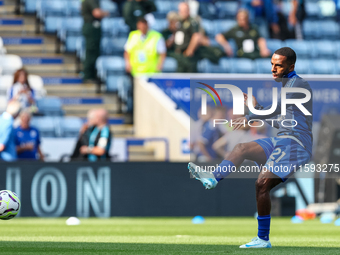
104,138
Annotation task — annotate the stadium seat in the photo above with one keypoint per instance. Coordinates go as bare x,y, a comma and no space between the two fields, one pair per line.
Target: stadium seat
114,27
222,26
243,65
30,6
328,29
74,8
69,32
205,66
6,82
109,6
50,106
274,44
263,65
310,30
110,65
312,10
114,46
45,125
302,66
163,7
159,25
323,66
10,63
227,9
325,49
124,86
208,27
114,82
302,48
208,10
170,65
70,126
37,84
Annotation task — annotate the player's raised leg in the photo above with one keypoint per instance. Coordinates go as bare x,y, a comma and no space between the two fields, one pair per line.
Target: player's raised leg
251,151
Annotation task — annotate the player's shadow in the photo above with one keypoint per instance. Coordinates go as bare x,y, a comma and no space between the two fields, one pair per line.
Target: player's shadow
75,248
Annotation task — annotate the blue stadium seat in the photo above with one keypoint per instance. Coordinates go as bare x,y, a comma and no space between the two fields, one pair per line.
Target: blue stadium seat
208,10
325,49
310,30
70,126
208,26
110,65
274,44
50,106
226,64
170,65
205,66
303,49
109,6
163,7
227,9
114,82
124,86
45,125
70,31
263,65
312,9
114,27
113,46
302,66
30,6
159,25
74,8
323,66
222,26
328,29
243,65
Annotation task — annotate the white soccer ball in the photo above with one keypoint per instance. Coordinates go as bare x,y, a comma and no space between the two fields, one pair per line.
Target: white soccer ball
9,204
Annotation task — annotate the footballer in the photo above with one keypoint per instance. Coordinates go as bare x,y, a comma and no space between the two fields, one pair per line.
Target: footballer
291,147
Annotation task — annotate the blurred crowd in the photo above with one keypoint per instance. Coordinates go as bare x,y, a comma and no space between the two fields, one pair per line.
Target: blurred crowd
19,140
185,39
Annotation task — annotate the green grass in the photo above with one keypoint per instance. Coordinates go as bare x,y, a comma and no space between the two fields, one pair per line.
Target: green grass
163,236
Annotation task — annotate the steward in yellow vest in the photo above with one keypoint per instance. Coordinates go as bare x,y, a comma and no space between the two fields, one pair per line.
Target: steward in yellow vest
145,50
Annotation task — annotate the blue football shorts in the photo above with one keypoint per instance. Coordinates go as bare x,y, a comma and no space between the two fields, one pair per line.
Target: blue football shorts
284,155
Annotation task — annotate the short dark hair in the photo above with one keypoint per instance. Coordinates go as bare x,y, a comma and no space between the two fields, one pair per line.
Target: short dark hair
143,20
289,53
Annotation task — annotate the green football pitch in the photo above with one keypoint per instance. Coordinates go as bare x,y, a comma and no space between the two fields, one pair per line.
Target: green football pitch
163,236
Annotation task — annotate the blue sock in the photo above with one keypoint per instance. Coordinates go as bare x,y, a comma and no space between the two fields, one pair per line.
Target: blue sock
224,169
264,227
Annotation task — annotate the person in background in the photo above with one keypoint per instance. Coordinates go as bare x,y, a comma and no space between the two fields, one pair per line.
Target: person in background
169,33
247,38
21,90
7,137
187,39
27,139
99,140
133,10
84,135
145,50
92,15
210,135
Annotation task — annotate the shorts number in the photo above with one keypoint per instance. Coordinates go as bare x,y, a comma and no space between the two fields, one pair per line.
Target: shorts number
277,151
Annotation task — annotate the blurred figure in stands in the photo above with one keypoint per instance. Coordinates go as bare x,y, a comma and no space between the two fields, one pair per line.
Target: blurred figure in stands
133,10
247,38
21,90
145,50
169,33
27,139
92,15
210,135
7,137
187,40
84,136
99,140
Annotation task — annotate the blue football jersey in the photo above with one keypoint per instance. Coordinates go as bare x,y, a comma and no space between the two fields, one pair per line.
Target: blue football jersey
27,136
